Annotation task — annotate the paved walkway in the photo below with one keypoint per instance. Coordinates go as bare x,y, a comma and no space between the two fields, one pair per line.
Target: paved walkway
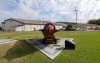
2,41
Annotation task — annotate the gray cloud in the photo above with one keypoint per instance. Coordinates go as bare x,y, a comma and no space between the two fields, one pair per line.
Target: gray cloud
54,10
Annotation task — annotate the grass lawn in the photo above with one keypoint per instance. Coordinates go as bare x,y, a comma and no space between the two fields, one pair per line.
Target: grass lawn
87,48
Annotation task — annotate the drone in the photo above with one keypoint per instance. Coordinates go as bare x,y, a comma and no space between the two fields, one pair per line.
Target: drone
48,33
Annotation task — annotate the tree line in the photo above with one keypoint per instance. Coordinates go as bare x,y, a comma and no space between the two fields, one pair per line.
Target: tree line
94,21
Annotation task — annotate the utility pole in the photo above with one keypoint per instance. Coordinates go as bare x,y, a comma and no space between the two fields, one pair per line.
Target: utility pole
76,19
43,20
50,19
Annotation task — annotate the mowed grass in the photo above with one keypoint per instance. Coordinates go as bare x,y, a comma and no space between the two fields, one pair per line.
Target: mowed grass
87,48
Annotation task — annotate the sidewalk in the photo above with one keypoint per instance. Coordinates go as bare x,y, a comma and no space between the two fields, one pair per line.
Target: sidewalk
2,41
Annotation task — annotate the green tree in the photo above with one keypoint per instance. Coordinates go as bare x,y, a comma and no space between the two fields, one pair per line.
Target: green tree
98,21
69,25
93,21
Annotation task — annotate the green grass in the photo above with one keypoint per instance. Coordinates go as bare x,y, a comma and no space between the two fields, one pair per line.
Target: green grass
87,48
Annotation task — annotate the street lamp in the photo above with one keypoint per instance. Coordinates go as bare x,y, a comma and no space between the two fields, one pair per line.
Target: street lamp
76,19
43,22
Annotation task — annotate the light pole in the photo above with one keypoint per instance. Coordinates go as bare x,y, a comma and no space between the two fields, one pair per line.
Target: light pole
76,19
43,21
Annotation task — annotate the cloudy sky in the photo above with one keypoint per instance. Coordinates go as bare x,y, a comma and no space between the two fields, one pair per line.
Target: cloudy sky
53,10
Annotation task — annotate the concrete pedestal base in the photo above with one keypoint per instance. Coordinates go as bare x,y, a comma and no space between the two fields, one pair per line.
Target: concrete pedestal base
50,50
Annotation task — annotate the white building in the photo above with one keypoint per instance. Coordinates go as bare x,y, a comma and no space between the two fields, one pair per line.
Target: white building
25,25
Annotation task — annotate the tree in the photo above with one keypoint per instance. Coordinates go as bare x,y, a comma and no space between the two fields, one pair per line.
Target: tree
69,25
98,21
93,21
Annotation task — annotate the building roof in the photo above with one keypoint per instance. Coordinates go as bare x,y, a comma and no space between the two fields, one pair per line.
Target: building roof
2,22
78,23
62,24
37,22
27,21
92,25
66,22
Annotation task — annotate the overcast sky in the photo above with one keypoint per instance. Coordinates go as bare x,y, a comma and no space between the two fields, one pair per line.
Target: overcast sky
53,10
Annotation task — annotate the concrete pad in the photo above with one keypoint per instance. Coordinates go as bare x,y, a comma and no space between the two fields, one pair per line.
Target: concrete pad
50,50
3,41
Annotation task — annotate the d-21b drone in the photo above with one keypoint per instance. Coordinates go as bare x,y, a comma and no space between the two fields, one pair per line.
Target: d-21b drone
48,32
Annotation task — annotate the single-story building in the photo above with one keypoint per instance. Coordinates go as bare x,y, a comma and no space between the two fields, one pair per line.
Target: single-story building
13,24
92,27
81,26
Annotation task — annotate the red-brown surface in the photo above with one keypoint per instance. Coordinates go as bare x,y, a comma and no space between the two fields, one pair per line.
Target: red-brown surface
49,28
48,33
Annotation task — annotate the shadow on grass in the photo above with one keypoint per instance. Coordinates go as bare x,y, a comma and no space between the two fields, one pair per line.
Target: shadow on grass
19,49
